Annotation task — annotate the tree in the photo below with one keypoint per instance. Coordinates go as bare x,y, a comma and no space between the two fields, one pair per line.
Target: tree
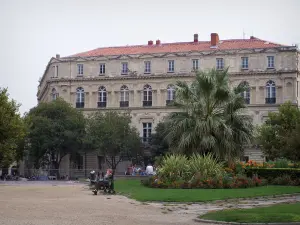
55,129
279,135
110,133
12,129
159,145
211,117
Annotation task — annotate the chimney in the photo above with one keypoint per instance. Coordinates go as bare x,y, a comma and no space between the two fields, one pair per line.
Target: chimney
252,37
57,56
214,39
195,37
150,42
157,42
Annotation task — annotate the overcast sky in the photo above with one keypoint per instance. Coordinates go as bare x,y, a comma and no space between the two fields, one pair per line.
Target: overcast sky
32,31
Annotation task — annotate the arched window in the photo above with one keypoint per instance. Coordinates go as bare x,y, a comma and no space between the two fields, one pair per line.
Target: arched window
54,94
80,97
147,95
124,96
246,94
102,97
271,92
170,94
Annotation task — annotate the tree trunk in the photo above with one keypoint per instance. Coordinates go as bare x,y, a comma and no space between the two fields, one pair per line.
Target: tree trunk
56,166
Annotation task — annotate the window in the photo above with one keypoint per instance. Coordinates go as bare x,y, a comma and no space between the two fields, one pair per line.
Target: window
147,95
271,92
124,96
102,97
80,97
170,94
297,88
195,64
220,63
244,63
171,64
246,94
80,69
54,94
147,67
147,130
55,71
102,69
124,68
270,62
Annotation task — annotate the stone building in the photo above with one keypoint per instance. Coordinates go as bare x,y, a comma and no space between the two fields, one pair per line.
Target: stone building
141,77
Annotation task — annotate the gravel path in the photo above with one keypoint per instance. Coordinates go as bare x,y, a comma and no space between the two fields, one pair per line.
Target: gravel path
49,203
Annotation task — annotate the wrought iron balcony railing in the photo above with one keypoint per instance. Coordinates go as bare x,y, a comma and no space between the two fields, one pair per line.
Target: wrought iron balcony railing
169,102
79,105
147,103
124,103
101,104
247,100
270,100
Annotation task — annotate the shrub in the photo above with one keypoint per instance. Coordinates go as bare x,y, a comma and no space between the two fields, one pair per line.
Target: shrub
282,163
174,167
205,165
282,180
272,173
179,167
207,183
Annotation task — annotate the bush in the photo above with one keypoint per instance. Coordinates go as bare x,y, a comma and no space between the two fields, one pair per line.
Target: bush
174,167
286,180
282,163
179,167
272,173
205,165
207,183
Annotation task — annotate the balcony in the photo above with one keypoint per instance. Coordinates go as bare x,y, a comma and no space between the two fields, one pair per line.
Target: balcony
147,103
169,102
270,100
124,103
247,100
79,105
101,104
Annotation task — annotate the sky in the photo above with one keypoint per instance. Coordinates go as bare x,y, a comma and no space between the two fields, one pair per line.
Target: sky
33,31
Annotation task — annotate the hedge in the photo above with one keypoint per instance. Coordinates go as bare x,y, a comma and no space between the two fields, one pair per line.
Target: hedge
271,173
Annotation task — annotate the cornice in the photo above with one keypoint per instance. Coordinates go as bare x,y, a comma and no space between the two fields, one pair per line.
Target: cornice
128,108
154,77
250,107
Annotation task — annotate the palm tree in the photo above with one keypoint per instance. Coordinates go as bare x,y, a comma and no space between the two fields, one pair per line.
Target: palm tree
211,117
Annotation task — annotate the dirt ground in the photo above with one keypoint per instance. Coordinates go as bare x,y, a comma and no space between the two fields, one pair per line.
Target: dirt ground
73,204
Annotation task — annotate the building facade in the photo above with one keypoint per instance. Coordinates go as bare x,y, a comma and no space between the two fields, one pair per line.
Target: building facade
141,78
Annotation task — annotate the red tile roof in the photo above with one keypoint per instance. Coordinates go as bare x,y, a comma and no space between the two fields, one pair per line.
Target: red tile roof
179,47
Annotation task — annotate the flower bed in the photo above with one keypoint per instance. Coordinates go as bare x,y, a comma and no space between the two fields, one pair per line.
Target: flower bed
206,183
206,172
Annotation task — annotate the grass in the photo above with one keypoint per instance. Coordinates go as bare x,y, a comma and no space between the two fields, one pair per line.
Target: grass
275,213
135,190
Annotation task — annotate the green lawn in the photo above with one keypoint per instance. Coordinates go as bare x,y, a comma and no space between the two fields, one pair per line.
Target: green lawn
135,190
275,213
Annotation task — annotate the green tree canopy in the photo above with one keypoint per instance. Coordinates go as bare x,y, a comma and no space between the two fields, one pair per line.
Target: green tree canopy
112,135
211,118
279,136
12,129
55,129
159,145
